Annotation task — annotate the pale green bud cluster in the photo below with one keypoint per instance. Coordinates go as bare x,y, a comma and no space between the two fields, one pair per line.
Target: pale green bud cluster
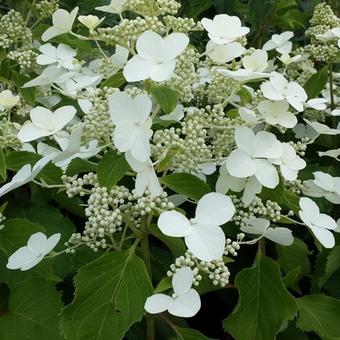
300,146
183,25
26,58
2,220
300,72
295,186
45,8
8,135
324,15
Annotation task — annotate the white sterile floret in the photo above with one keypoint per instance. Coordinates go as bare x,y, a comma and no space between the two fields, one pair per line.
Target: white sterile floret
115,7
62,23
224,28
243,75
185,302
333,33
45,122
287,59
221,54
133,124
278,88
90,21
277,113
290,163
251,156
319,224
38,246
176,115
156,58
280,42
323,185
257,61
261,226
63,55
322,129
24,175
146,176
317,104
8,100
202,234
335,153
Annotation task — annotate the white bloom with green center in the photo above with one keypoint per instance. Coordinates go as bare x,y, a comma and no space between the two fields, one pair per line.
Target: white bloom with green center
8,100
131,117
320,224
62,23
45,122
156,58
90,21
185,302
251,158
261,226
257,61
202,234
38,246
223,28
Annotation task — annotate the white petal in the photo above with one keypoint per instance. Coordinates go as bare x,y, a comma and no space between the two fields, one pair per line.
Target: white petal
36,243
20,258
266,173
214,209
270,92
63,116
122,107
187,305
325,221
240,165
182,280
173,223
51,242
245,139
140,149
142,181
30,132
42,118
149,46
325,237
309,207
51,32
154,185
162,72
124,136
267,145
257,226
138,69
157,303
280,235
176,43
206,242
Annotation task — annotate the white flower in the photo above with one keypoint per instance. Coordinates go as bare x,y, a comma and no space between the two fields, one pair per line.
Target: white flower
133,124
156,58
276,113
287,59
146,176
335,153
290,163
278,88
202,234
224,29
45,122
176,115
322,129
323,185
62,23
185,302
90,21
335,112
257,61
242,75
24,175
261,226
38,246
280,42
115,7
251,157
63,55
247,115
120,57
331,34
224,53
317,104
8,100
319,224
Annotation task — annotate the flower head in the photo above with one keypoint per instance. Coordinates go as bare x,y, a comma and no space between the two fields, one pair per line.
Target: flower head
280,42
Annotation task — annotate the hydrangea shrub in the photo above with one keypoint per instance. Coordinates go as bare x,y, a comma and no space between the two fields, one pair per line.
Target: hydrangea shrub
157,170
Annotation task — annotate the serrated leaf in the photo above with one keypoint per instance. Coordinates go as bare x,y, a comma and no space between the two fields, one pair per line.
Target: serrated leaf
109,298
320,314
165,97
332,264
316,83
34,307
111,168
80,166
263,305
186,184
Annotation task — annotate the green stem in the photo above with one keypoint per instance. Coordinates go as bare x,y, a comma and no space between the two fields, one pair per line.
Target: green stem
150,321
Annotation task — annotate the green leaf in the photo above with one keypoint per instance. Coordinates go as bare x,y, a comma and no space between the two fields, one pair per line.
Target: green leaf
263,305
109,298
316,83
292,257
111,168
117,80
163,285
186,184
3,167
196,7
332,265
319,314
291,201
80,166
245,95
165,97
34,307
190,334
